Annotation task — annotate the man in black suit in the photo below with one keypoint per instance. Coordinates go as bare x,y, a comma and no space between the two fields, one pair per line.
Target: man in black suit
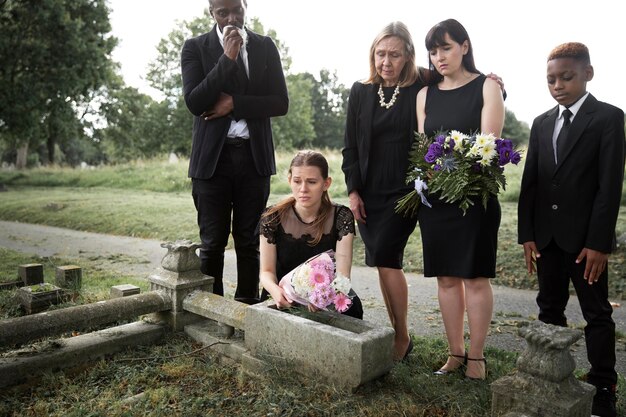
233,82
568,207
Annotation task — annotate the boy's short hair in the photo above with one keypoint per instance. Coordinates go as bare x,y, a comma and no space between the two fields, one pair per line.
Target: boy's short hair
574,50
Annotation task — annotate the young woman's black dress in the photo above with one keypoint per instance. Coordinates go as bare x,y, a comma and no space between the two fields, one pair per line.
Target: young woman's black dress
290,235
453,244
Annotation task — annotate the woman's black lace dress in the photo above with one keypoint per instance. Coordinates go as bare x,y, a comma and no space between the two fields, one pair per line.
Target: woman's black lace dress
290,235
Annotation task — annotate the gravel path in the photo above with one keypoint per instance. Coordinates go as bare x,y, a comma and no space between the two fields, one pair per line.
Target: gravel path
141,256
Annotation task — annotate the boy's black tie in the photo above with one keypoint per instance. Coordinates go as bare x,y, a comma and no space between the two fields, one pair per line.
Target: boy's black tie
562,138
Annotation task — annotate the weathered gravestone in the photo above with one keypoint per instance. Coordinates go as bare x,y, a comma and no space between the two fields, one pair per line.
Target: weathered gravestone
124,290
544,384
179,276
31,274
36,298
342,350
69,277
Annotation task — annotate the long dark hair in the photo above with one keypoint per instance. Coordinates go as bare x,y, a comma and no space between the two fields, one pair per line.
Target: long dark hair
306,158
436,36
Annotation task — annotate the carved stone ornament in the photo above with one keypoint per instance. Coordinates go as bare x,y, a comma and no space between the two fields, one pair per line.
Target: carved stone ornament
181,256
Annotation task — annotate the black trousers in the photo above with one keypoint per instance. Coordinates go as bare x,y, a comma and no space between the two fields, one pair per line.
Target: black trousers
555,268
236,193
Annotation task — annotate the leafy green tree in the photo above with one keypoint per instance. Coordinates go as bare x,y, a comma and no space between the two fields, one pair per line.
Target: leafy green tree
55,54
128,115
295,130
517,131
330,102
164,75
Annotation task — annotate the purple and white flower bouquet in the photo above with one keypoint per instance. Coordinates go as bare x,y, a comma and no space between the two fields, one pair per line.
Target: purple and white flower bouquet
459,168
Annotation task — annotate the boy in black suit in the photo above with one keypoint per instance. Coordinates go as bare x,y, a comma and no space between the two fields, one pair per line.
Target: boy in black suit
568,206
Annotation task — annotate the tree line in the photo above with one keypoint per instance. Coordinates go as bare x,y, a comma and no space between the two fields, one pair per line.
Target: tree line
64,101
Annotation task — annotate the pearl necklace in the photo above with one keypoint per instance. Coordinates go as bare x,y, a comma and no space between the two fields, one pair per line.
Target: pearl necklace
382,96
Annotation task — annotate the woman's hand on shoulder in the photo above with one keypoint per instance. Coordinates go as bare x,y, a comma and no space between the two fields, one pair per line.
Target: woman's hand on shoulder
497,79
492,90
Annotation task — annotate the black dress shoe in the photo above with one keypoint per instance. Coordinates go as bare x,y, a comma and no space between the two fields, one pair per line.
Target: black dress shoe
604,402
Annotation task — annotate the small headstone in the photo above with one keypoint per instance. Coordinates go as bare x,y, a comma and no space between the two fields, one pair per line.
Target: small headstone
173,159
69,277
31,274
124,290
36,298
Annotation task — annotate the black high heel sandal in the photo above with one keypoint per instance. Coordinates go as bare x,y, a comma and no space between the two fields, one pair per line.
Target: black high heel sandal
409,349
477,360
442,371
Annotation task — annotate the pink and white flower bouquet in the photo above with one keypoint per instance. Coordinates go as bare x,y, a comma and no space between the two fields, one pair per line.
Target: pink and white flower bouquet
316,282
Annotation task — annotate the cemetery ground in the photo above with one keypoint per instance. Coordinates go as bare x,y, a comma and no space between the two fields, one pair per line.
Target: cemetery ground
180,377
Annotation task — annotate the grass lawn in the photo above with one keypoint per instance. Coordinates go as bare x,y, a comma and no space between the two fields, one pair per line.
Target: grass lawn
152,199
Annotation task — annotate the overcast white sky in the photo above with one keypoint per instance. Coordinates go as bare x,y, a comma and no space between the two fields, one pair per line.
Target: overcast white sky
511,39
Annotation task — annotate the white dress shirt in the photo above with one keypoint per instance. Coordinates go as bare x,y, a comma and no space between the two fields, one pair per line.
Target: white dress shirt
238,128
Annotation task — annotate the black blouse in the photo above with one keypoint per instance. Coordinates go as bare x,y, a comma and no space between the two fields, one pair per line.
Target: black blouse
291,236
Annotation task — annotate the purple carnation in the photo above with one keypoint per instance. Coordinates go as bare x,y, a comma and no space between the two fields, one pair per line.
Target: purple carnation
505,157
430,157
504,145
440,139
515,157
435,150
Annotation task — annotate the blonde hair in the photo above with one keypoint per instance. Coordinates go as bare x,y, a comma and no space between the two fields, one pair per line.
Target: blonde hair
408,75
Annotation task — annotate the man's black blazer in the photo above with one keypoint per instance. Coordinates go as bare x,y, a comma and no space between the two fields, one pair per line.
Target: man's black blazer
206,73
574,202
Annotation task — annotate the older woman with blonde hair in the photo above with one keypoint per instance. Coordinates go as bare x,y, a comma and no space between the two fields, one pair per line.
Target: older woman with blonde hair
378,137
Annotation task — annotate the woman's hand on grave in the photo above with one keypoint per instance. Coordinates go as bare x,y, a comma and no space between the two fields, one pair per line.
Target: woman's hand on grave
280,297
